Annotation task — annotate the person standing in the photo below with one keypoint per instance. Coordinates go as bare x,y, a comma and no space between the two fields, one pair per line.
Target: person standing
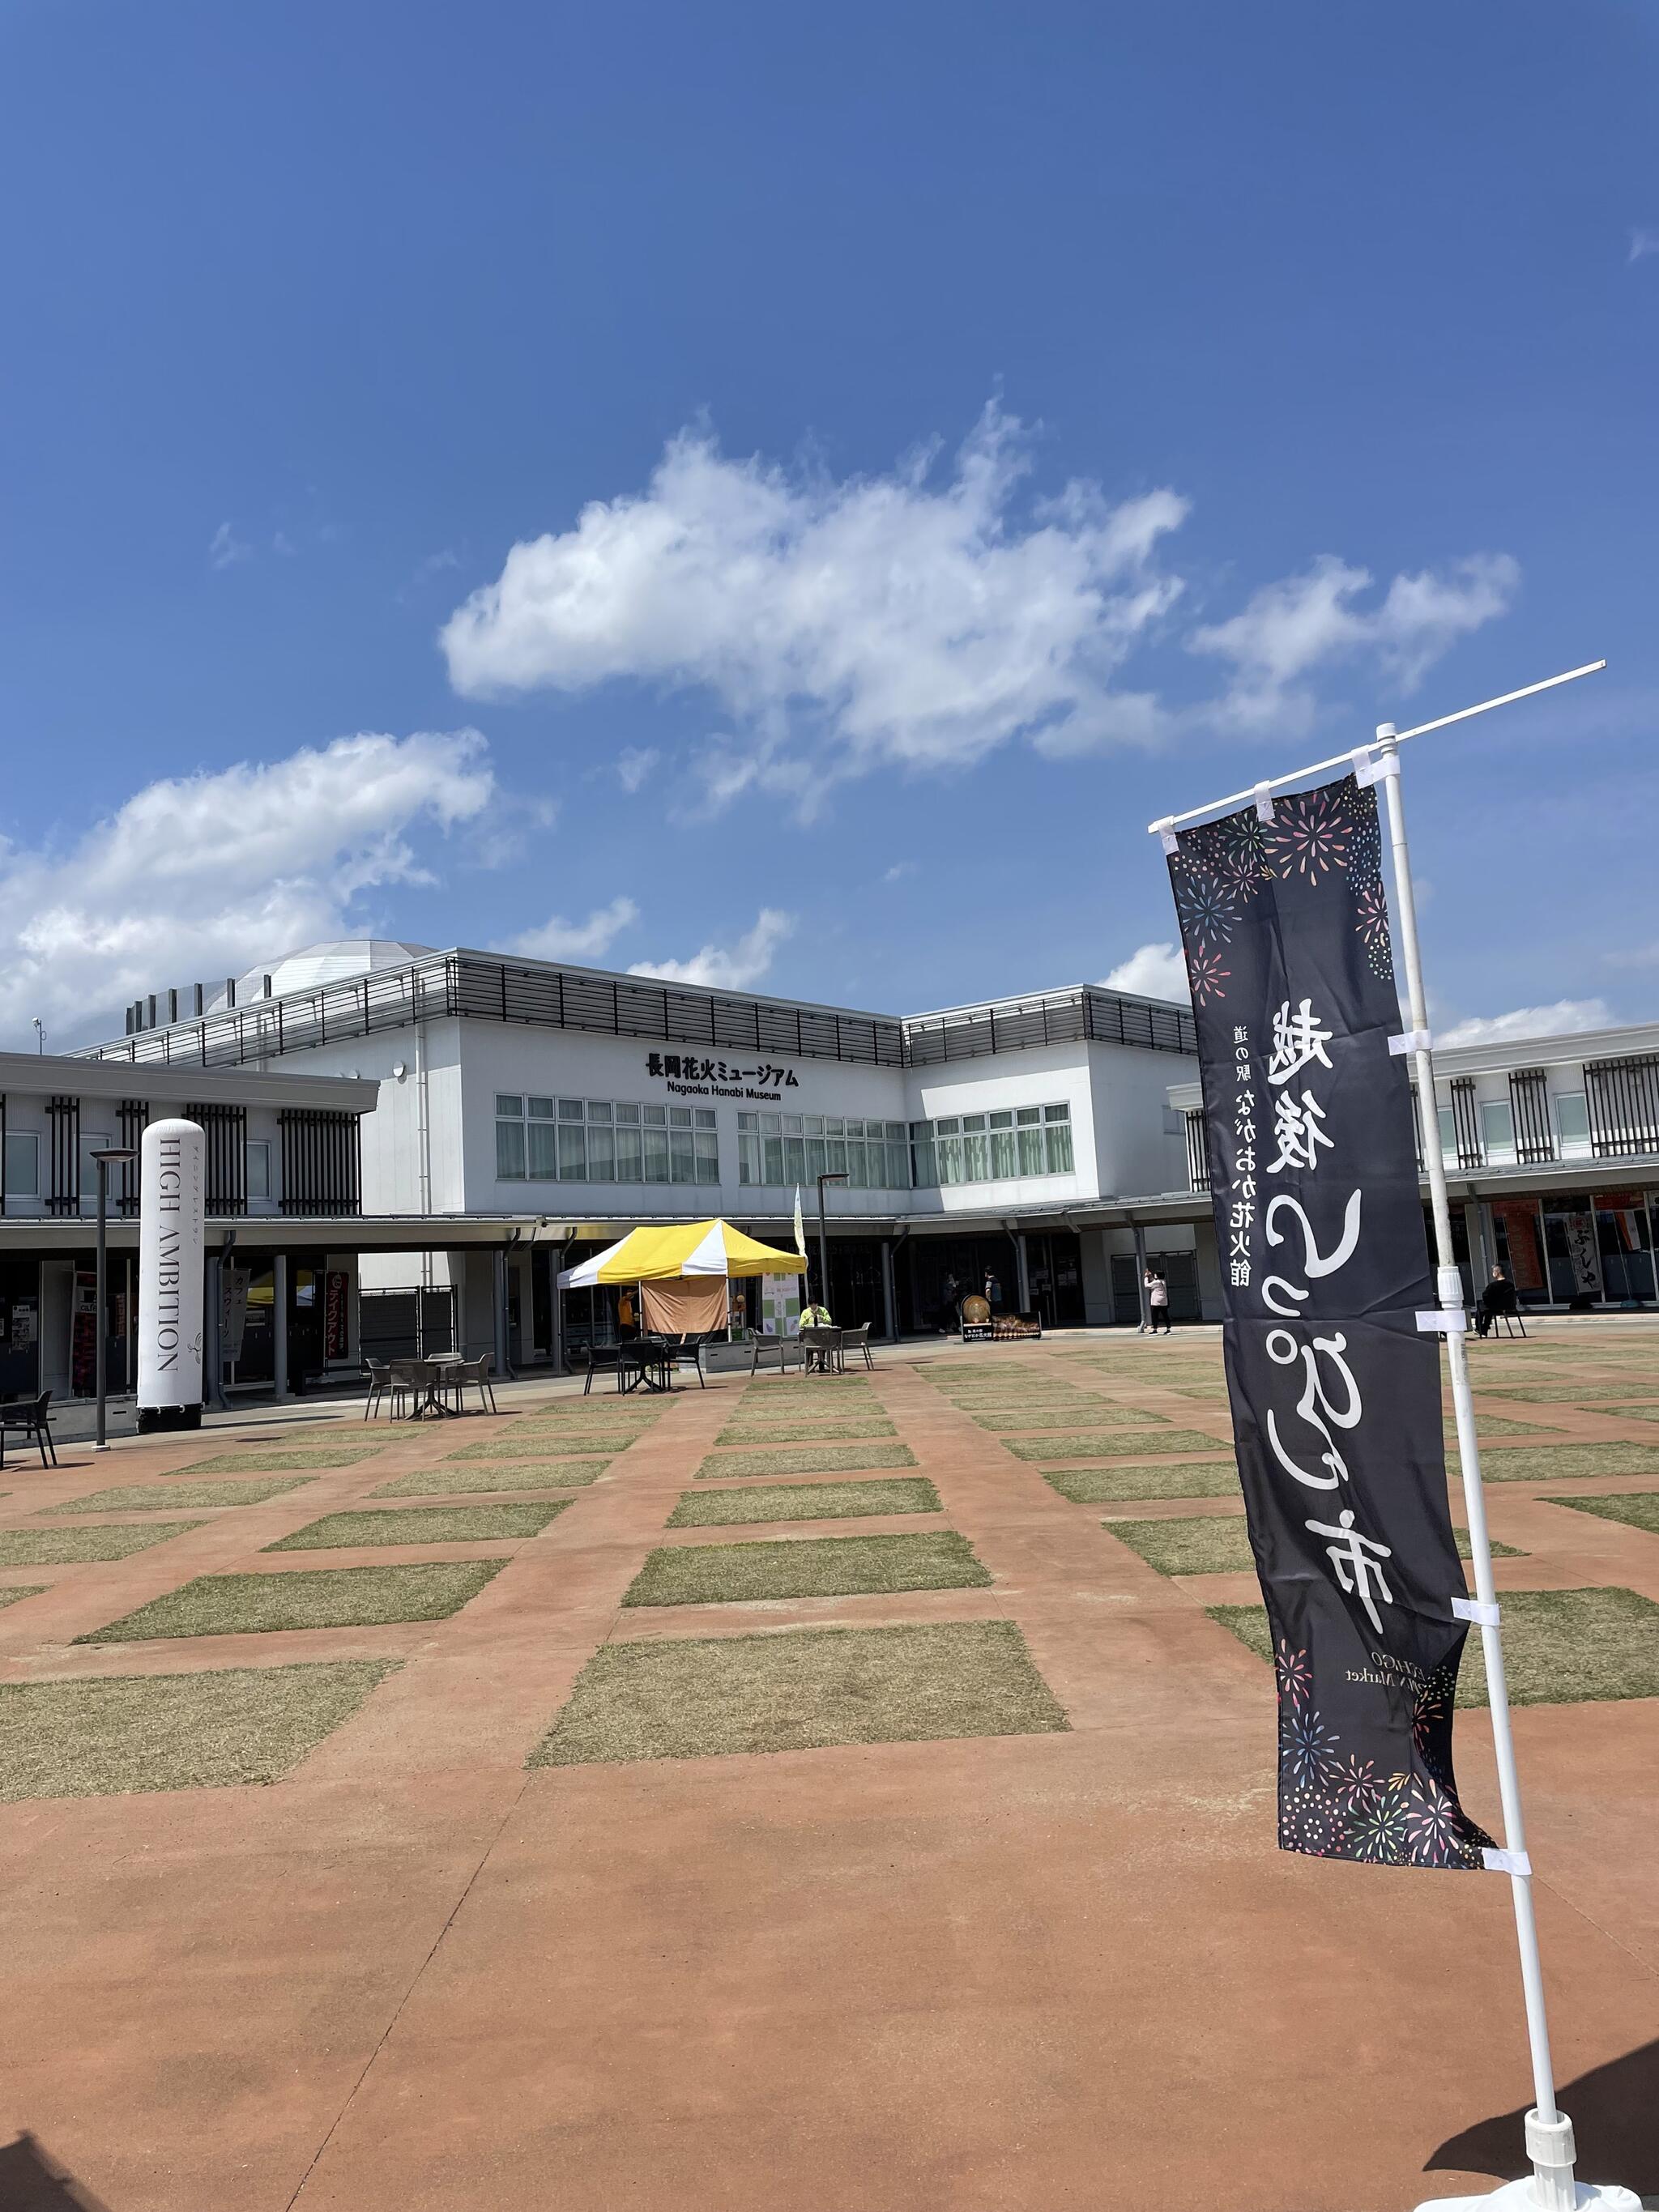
1157,1302
627,1327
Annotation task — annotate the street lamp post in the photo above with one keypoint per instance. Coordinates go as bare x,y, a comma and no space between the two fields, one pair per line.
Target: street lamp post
840,1176
104,1159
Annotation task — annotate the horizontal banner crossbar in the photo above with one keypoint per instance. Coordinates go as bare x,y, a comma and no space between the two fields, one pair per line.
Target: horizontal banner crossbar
1258,792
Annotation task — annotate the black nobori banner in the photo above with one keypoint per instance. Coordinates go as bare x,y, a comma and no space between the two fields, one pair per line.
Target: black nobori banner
1325,1266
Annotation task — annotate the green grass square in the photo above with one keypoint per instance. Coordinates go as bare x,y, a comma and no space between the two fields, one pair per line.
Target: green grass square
422,1525
803,1501
1636,1509
154,1497
448,1480
708,1696
1219,1544
806,1566
254,1459
1553,1462
1101,1485
17,1591
1098,1416
806,1459
1493,1424
303,1597
110,1735
1589,1395
1646,1410
1560,1647
802,1431
1103,1444
74,1545
526,1448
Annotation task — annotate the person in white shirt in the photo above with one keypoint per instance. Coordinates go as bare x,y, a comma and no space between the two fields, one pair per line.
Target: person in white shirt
1158,1303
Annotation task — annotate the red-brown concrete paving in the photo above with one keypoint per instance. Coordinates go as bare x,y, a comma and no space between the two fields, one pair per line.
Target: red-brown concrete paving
1017,1973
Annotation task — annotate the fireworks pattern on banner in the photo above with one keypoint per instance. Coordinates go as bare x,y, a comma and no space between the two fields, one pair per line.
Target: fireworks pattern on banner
1332,1805
1221,868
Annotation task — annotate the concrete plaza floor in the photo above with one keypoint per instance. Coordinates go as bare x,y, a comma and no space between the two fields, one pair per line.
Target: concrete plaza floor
1018,1972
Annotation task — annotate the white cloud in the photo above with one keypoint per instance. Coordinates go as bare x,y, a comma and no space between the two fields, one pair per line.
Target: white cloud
1289,628
920,617
283,544
898,872
913,617
226,549
1642,243
1151,971
558,940
728,968
196,878
1561,1019
635,765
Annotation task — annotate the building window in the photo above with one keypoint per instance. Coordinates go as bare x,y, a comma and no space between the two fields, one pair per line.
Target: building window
509,1138
1025,1140
783,1150
1572,1125
22,1164
604,1141
1498,1132
258,1167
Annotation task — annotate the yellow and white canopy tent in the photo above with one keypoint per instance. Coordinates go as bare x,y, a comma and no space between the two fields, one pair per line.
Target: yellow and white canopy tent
706,1253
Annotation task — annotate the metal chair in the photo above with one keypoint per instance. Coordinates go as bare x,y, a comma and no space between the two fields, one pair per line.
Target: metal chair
28,1418
854,1341
381,1384
785,1346
821,1349
476,1372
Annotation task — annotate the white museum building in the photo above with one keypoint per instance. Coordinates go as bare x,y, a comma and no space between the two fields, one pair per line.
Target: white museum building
403,1142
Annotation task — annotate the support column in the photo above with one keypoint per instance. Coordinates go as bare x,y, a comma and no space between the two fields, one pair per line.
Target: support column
213,1340
556,1332
1140,1276
279,1320
889,1300
502,1368
1477,1227
1022,1272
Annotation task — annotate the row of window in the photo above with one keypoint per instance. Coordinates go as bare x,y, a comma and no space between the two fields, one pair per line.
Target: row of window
22,1170
603,1140
1572,1130
1028,1141
783,1150
780,1150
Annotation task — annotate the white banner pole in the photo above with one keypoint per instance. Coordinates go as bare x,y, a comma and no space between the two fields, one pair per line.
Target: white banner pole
1548,2131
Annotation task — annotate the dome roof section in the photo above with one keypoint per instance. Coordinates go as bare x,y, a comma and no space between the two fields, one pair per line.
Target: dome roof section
314,965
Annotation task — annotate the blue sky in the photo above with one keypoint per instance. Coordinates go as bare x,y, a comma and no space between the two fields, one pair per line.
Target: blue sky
791,493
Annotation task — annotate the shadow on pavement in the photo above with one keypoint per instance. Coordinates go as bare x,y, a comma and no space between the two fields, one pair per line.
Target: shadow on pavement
1615,2123
31,2180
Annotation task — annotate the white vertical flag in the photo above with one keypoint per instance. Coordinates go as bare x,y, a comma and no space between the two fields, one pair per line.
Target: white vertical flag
800,1230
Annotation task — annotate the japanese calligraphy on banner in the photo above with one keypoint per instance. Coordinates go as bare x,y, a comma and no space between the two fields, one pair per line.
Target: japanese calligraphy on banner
1325,1266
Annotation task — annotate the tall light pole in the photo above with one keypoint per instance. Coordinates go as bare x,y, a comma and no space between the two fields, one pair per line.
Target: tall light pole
840,1176
104,1159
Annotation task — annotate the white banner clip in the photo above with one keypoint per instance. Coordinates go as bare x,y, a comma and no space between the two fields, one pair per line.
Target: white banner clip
1471,1608
1264,802
1444,1321
1367,770
1497,1862
1165,829
1411,1041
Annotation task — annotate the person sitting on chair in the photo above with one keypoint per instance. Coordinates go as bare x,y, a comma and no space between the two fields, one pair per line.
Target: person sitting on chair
816,1316
1498,1297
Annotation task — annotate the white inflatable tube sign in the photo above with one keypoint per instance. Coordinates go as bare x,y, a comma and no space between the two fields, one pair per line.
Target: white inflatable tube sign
170,1276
